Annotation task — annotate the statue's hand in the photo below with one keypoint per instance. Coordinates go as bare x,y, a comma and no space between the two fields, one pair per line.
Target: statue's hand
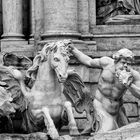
16,73
125,78
71,48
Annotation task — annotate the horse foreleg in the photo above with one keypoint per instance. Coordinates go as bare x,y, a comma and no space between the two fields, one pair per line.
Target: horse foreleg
52,131
72,124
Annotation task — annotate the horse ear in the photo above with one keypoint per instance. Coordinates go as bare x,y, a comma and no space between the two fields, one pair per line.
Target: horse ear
10,59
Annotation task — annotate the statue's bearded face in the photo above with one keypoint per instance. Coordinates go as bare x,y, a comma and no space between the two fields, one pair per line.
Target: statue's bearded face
123,64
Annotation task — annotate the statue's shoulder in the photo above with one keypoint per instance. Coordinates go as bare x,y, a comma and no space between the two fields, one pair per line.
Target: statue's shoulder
106,61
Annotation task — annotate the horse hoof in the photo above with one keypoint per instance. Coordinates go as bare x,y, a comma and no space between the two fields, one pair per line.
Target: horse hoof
65,137
86,131
52,132
74,131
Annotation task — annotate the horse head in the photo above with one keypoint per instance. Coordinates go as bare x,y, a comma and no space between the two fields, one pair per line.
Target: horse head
60,58
57,54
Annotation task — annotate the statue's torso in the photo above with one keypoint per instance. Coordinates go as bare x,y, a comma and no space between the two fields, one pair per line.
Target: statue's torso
110,91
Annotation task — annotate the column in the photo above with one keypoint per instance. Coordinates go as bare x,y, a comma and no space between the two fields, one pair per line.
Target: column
92,14
83,19
37,15
12,19
12,25
1,29
60,19
84,24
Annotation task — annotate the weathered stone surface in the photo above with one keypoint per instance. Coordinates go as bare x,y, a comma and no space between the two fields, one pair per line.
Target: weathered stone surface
32,136
134,138
90,75
80,138
1,29
20,49
63,15
131,109
12,13
83,18
116,29
94,75
124,19
127,132
115,42
128,97
113,37
81,123
92,14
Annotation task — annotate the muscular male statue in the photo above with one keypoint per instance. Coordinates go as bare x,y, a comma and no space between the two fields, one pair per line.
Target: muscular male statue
116,77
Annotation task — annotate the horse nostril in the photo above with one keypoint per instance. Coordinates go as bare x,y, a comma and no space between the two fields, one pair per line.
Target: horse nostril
60,75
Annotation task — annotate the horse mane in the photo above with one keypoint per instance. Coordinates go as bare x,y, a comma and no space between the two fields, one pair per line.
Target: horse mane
43,56
40,57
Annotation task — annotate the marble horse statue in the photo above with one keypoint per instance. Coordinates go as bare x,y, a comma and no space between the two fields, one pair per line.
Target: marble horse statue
44,105
49,71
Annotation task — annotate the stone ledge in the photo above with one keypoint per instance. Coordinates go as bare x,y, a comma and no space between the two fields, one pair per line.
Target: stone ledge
32,136
19,49
115,29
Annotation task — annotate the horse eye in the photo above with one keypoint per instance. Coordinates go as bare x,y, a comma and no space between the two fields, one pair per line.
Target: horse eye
56,59
67,59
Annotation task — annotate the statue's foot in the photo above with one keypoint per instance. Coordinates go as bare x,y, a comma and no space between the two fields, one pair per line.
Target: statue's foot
86,131
53,133
73,130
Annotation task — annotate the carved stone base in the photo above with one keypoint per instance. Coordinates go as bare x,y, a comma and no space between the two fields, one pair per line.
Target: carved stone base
124,19
17,46
115,37
32,136
128,132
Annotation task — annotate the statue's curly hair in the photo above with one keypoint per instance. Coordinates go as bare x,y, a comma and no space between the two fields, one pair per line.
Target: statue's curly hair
123,53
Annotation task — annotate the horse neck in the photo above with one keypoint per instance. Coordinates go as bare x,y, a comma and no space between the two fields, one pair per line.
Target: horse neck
46,80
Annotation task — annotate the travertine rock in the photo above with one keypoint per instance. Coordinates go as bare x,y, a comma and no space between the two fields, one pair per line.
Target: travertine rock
127,132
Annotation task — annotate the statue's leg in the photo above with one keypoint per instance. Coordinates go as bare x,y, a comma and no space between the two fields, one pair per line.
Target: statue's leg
52,131
122,119
106,121
72,124
88,127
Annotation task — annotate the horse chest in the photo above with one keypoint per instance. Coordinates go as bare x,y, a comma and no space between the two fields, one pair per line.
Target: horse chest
43,99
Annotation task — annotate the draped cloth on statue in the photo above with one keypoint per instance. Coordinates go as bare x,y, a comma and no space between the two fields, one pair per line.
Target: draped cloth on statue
30,123
101,118
132,5
109,9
